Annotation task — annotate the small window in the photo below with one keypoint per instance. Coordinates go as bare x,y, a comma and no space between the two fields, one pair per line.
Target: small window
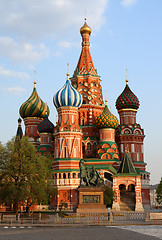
64,176
65,153
72,118
83,148
88,146
65,118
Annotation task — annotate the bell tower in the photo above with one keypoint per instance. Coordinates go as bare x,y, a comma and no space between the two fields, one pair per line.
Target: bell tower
86,80
129,133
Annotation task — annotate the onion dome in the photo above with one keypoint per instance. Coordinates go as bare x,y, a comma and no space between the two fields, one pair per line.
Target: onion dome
107,119
85,28
45,126
127,99
67,96
34,106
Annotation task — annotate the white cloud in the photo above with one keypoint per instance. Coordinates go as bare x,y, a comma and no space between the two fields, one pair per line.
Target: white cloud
38,19
67,44
128,3
13,90
12,73
21,51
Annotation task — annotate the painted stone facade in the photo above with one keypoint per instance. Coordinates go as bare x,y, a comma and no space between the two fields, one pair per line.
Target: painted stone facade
86,129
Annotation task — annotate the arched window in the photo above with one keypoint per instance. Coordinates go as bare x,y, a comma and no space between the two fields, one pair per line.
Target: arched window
74,175
69,175
88,146
65,118
59,175
64,175
83,122
83,148
65,152
94,146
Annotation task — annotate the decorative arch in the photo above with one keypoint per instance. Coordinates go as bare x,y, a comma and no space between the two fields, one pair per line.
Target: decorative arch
102,150
106,145
138,131
116,156
110,150
106,156
126,131
131,188
113,145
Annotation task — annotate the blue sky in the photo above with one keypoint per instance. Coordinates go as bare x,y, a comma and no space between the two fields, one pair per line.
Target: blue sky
45,36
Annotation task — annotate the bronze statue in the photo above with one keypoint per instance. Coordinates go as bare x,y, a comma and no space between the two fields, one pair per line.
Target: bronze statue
84,176
89,178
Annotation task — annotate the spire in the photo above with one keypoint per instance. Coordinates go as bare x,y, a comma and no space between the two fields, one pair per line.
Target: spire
19,129
85,63
126,77
35,79
126,165
67,74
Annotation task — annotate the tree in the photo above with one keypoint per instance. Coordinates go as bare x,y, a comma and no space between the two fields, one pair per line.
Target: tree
159,193
108,196
25,176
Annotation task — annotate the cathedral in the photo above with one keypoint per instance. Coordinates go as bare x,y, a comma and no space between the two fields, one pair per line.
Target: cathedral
86,129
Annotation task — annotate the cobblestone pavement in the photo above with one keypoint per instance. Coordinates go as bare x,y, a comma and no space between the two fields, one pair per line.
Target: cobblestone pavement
80,233
155,230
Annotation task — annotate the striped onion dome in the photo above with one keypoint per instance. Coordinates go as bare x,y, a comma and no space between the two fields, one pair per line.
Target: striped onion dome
127,99
67,96
34,106
45,126
107,119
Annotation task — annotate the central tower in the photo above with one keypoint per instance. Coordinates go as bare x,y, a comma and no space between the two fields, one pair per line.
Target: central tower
86,80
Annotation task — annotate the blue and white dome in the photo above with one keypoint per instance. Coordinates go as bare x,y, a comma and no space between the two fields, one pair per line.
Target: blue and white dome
67,96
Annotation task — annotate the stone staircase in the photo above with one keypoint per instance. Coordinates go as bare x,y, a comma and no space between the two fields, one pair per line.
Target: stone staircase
127,201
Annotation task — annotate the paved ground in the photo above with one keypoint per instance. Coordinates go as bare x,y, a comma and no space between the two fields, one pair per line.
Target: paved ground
155,230
82,233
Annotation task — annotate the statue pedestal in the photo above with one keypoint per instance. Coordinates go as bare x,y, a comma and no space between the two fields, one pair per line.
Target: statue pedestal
91,200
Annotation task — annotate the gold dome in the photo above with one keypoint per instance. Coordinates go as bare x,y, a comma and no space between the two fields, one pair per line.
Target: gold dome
85,28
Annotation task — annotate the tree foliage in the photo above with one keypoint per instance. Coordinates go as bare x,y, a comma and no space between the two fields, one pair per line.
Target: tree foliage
108,196
159,193
24,176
